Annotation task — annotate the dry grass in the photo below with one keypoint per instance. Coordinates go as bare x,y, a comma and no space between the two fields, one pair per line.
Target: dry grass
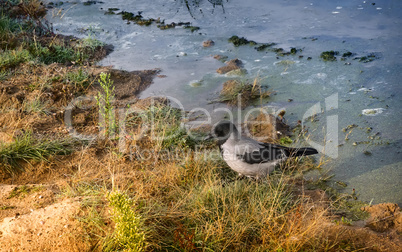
237,93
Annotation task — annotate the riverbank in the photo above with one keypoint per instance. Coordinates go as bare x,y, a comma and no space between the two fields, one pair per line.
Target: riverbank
108,189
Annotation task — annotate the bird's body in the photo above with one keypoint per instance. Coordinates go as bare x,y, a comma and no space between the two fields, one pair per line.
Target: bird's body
249,157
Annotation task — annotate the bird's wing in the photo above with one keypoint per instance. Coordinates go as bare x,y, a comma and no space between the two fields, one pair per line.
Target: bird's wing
253,152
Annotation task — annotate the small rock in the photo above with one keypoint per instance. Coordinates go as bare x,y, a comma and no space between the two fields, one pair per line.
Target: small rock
208,43
230,66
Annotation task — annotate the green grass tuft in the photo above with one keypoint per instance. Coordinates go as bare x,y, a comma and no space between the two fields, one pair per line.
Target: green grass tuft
129,234
26,149
12,58
78,78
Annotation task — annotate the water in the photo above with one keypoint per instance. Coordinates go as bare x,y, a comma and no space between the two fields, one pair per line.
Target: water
374,169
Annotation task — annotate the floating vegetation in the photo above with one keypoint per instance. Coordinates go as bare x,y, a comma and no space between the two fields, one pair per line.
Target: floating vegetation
351,126
329,55
192,28
347,54
281,52
368,58
264,46
140,20
92,2
163,26
241,41
111,11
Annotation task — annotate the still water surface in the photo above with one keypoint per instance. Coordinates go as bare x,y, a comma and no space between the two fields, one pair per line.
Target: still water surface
374,169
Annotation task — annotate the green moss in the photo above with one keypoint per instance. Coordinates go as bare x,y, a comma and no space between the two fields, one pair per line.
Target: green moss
237,41
329,55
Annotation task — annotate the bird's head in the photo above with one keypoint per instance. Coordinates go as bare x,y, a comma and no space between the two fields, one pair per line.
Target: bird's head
222,131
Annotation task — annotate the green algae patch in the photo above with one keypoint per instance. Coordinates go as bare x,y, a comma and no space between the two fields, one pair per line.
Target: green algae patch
111,11
192,28
264,46
368,58
237,41
329,55
347,54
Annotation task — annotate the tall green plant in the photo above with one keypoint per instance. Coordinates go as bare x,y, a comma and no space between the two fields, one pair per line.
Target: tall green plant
129,233
104,100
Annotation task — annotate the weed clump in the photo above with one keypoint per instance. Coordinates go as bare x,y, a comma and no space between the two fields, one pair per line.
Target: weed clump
241,94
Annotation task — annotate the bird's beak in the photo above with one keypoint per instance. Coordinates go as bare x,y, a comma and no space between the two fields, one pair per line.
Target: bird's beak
209,137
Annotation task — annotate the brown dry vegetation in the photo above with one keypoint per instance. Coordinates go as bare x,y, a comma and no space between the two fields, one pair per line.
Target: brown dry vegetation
237,93
96,197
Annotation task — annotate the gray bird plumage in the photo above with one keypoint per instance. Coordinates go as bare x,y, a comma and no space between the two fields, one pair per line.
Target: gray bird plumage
249,157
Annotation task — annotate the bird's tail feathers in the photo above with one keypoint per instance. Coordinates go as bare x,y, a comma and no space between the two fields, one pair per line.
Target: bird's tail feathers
296,152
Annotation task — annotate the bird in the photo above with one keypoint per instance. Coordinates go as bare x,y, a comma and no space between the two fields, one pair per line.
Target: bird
249,157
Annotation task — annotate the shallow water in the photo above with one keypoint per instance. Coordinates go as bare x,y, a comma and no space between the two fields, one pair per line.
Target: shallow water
374,169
